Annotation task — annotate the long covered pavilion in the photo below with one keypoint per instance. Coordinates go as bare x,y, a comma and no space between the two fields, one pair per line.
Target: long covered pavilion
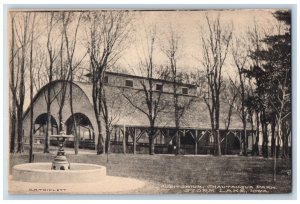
129,125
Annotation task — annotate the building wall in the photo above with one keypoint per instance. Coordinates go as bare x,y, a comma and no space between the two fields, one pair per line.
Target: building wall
118,80
195,115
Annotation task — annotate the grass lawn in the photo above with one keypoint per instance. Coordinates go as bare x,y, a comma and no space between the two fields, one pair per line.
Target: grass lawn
184,174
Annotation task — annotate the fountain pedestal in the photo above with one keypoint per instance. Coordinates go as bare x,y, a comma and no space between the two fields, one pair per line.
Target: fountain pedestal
60,161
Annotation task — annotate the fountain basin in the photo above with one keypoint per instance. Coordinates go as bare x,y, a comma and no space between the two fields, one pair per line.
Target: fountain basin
42,173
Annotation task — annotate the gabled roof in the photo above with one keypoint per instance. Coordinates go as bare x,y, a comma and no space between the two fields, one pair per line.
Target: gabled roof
141,77
196,116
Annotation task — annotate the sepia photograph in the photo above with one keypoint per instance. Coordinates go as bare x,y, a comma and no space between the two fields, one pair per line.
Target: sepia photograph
149,102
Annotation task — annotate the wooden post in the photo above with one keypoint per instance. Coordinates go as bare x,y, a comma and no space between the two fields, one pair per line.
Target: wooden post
124,139
134,141
196,142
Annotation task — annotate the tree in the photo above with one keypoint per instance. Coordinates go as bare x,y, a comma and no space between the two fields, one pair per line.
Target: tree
215,47
253,115
12,87
31,90
107,32
253,102
152,104
277,58
273,80
64,72
70,49
19,53
108,105
279,64
240,57
52,56
230,96
171,50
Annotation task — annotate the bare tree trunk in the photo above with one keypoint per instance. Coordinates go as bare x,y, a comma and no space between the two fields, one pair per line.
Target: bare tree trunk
106,114
245,139
107,140
31,95
49,125
70,48
64,85
218,150
100,138
20,128
13,122
177,150
257,134
283,140
273,126
244,114
264,127
76,141
20,111
215,50
22,86
171,52
278,142
177,118
48,104
107,124
286,132
60,117
31,120
151,140
151,134
51,54
279,135
12,91
252,133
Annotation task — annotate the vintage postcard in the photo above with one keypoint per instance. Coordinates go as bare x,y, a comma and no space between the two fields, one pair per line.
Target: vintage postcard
149,101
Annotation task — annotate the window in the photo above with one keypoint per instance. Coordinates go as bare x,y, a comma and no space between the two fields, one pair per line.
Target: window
129,82
105,80
159,87
185,90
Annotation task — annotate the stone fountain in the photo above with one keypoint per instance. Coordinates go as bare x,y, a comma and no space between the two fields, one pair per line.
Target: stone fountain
60,170
74,177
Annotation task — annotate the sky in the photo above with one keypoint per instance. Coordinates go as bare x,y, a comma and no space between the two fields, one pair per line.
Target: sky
189,25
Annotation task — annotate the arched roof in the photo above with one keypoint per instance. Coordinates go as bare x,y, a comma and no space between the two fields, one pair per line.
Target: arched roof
84,87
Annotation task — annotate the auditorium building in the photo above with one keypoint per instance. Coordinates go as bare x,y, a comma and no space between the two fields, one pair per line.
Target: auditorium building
128,125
